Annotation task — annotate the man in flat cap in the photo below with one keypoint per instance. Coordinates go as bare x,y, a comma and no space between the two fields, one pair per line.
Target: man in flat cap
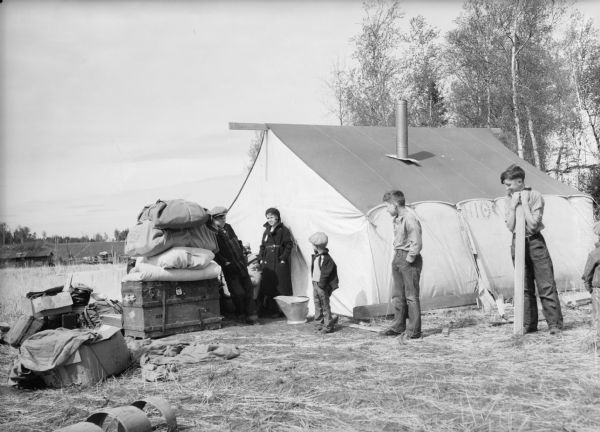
232,260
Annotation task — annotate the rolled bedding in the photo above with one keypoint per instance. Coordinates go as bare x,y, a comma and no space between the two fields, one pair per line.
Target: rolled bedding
148,272
180,258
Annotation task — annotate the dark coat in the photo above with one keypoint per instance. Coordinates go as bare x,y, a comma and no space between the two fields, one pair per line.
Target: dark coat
230,256
274,254
591,274
329,278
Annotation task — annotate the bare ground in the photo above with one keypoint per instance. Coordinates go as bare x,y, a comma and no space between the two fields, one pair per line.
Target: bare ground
290,378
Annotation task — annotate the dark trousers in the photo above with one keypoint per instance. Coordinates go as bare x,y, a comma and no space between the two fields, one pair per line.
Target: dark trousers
242,294
322,306
405,294
539,273
596,312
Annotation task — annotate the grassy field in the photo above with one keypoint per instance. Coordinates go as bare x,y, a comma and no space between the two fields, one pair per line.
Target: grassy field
290,378
16,282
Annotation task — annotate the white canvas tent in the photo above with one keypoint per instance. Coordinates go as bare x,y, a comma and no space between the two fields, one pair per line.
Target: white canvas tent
332,179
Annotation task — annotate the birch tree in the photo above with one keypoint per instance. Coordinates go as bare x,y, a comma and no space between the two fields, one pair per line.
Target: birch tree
421,69
581,47
509,39
373,83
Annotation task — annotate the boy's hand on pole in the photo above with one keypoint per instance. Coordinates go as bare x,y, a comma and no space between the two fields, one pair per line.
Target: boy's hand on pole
515,199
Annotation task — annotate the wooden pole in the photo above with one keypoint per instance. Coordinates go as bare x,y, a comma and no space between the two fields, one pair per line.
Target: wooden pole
519,294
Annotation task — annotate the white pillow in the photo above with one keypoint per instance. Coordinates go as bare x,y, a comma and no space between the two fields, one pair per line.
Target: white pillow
181,258
148,272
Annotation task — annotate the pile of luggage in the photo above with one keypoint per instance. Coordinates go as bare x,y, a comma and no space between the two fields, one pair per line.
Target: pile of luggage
172,242
173,286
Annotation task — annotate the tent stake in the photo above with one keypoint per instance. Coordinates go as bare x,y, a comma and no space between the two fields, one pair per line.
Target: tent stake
519,294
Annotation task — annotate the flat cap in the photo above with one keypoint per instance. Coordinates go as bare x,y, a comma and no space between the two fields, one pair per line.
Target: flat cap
218,211
318,239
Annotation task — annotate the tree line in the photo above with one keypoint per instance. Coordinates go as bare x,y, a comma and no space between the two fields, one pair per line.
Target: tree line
528,67
22,234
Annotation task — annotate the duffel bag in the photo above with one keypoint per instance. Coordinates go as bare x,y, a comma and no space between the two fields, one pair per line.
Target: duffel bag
145,240
174,214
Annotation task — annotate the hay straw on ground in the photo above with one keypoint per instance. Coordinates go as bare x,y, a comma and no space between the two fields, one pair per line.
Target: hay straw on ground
290,378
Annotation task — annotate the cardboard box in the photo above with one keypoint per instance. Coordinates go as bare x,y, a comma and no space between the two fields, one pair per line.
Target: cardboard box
47,305
24,327
115,320
92,362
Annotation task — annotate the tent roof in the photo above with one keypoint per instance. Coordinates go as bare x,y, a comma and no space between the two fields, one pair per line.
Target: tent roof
455,163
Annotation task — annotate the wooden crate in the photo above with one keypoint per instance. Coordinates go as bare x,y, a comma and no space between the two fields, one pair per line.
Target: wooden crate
156,309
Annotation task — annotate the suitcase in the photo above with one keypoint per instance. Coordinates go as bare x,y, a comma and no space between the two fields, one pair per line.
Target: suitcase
155,308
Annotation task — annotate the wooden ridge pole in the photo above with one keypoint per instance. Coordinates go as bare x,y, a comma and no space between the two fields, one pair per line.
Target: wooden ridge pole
519,294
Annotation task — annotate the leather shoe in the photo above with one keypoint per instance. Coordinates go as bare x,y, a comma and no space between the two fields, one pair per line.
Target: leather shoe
389,332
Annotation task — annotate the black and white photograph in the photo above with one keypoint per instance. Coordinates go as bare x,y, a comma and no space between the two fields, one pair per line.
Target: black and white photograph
287,215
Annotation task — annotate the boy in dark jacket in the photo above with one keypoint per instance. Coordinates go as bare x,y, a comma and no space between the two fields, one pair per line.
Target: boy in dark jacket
591,280
325,280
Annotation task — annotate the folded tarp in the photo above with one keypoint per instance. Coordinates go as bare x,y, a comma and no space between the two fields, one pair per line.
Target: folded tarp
51,348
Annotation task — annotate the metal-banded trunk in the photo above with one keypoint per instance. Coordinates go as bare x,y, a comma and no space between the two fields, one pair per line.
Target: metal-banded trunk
156,309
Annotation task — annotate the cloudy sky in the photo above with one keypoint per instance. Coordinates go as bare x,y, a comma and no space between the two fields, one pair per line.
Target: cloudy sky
107,106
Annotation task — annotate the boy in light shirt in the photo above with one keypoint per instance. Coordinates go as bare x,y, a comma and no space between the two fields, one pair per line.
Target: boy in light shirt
539,271
406,268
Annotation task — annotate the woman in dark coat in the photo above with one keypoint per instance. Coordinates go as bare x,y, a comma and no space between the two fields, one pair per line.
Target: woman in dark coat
274,255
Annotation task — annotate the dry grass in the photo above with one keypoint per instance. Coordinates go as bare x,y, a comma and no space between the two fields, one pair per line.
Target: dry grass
16,282
289,378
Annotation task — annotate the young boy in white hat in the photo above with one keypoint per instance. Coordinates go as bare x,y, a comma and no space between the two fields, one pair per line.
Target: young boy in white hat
325,280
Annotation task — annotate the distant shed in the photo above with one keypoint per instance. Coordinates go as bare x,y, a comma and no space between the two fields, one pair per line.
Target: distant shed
24,257
90,252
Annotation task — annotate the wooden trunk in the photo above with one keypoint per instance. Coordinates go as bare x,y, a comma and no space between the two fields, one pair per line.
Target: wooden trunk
156,309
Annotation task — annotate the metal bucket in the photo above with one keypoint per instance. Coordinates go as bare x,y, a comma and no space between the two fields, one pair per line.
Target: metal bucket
295,308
